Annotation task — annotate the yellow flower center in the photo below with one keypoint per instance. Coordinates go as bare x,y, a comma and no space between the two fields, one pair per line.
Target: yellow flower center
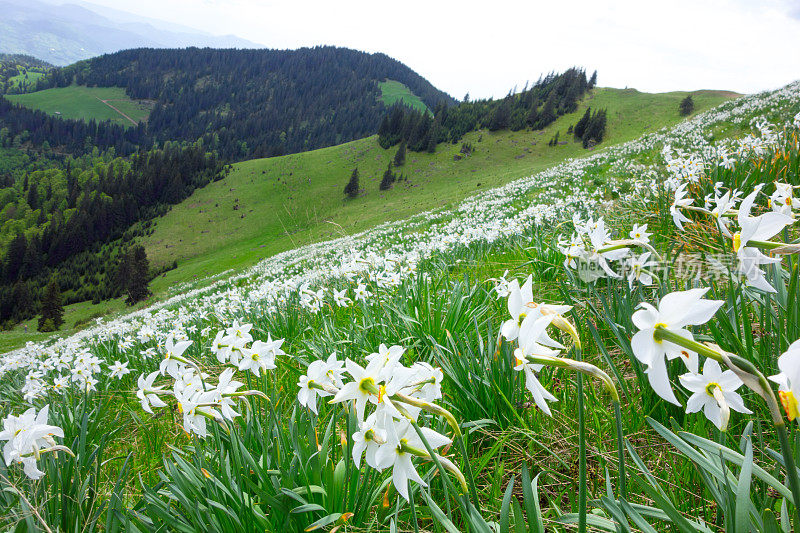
366,385
789,403
737,241
710,388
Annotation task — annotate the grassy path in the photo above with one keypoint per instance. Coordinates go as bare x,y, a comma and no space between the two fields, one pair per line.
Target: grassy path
117,110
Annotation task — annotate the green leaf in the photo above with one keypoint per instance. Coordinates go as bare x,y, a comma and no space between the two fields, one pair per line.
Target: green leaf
743,491
505,508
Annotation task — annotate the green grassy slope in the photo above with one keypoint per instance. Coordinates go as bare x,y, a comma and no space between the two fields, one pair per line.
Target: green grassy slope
293,200
393,91
288,201
87,103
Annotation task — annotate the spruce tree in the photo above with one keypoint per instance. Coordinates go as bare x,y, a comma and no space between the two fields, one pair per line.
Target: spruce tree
580,127
388,179
137,275
400,156
52,316
686,106
593,80
351,189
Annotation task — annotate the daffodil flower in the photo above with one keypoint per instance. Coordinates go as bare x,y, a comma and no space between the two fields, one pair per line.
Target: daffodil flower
403,443
675,312
714,391
788,380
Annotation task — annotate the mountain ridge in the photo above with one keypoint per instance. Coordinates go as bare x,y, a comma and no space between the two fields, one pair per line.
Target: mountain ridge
66,33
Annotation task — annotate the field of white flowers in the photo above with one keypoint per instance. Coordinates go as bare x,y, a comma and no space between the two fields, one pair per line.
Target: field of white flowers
611,344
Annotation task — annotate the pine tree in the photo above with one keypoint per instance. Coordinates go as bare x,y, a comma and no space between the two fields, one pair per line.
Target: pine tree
686,106
52,316
137,274
400,156
580,127
593,80
388,179
351,189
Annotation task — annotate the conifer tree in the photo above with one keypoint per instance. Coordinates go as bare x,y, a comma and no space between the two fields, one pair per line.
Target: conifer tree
52,316
686,106
593,80
133,274
580,126
388,179
351,189
400,155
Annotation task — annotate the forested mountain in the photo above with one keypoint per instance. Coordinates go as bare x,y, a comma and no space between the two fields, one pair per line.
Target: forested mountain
250,103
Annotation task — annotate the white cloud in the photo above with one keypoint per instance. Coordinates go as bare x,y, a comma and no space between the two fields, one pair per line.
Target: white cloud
486,48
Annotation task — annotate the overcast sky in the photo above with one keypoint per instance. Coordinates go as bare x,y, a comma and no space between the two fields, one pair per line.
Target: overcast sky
486,48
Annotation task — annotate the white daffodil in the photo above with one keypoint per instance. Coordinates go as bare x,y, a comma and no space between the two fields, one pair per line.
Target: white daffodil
637,269
760,228
240,331
402,443
321,378
196,411
788,380
221,347
521,307
260,357
369,438
532,333
27,435
783,200
681,201
364,387
148,394
361,293
341,299
753,231
714,391
119,370
226,386
639,233
675,312
723,206
173,357
388,357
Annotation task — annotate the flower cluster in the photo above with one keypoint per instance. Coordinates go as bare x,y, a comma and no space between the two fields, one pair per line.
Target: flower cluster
663,336
197,399
27,437
753,233
395,395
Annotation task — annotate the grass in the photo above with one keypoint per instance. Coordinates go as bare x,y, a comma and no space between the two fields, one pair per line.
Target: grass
87,103
513,456
288,201
28,78
393,91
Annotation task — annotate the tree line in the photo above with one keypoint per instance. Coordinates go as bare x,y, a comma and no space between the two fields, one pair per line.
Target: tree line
534,107
248,103
73,222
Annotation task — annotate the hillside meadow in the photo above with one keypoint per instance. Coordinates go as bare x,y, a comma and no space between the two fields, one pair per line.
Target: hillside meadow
87,103
608,344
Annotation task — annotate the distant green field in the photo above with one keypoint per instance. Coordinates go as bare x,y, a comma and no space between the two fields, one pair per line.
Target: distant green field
393,91
87,103
26,78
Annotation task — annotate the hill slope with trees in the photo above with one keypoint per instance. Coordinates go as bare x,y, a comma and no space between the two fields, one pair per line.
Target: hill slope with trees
250,103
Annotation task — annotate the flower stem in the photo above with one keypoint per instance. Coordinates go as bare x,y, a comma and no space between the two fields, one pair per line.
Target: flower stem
581,452
623,481
791,470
